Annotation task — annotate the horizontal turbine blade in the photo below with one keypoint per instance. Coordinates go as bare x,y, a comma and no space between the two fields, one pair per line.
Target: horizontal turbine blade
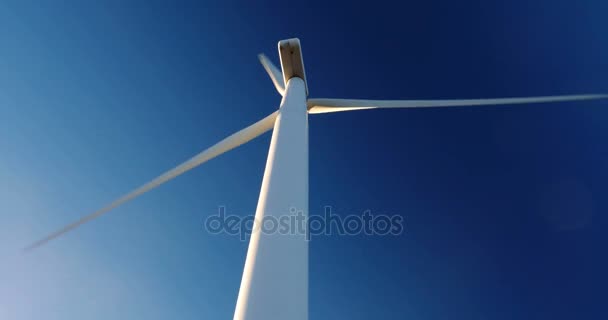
275,74
229,143
336,105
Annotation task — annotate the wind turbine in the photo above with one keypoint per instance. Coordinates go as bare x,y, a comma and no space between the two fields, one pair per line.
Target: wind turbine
275,277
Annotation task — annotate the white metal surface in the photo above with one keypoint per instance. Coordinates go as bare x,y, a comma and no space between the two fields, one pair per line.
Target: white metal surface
336,105
292,63
275,277
275,74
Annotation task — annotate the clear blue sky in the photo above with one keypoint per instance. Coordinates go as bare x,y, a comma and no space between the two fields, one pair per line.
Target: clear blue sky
505,207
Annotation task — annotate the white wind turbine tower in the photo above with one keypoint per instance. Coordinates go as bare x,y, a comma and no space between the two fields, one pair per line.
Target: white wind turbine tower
275,278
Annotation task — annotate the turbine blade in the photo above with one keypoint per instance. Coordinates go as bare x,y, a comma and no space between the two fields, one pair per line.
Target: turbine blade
275,74
241,137
336,105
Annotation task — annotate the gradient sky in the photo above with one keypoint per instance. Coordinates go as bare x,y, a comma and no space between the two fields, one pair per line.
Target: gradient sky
505,207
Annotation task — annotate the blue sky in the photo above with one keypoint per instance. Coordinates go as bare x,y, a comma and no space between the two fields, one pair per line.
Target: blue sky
505,207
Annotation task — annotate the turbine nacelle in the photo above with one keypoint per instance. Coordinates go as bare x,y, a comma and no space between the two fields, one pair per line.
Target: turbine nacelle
292,63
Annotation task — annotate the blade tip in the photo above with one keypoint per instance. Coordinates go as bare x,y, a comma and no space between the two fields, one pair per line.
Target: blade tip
28,249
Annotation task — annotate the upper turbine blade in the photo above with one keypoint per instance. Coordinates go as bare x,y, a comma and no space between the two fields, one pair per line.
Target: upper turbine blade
274,73
336,105
229,143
